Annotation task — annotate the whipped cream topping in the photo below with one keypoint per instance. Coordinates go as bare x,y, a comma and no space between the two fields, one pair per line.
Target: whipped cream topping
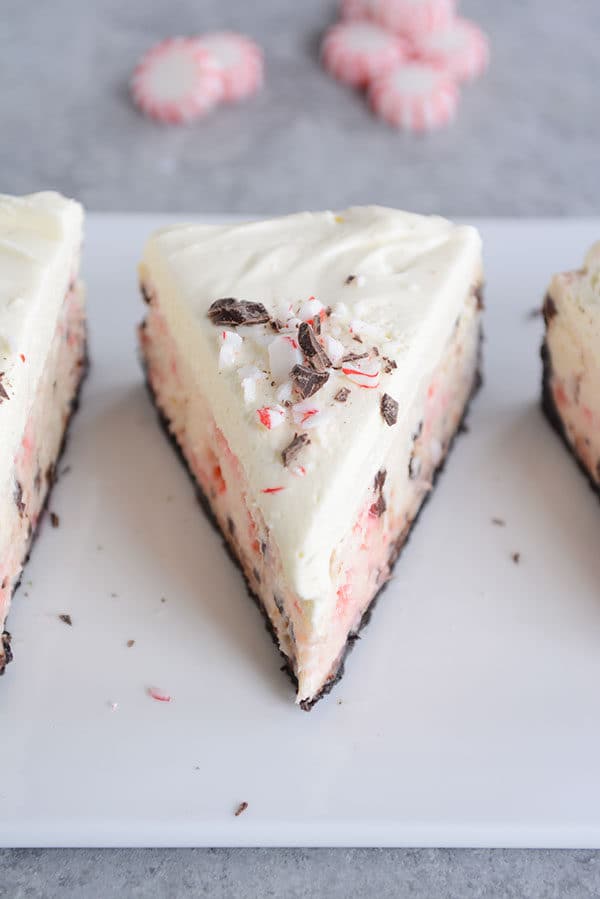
381,290
40,237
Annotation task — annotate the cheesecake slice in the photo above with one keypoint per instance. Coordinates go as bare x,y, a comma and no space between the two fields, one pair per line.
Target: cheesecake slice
313,371
42,361
571,361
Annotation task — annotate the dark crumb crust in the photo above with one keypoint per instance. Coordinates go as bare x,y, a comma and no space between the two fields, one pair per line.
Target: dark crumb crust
553,416
6,653
399,544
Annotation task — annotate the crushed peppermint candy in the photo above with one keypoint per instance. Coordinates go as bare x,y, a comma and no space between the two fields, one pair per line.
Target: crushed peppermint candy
229,311
271,416
284,354
294,448
311,309
159,695
334,349
249,375
272,489
231,344
306,414
307,381
363,373
284,393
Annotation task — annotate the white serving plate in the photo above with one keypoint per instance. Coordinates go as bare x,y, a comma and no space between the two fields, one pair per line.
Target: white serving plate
469,713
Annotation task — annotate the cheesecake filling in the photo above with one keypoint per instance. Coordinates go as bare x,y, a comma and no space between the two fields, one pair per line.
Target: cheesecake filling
31,472
572,365
314,635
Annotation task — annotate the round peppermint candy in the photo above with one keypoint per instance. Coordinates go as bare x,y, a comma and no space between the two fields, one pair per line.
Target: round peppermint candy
357,52
462,49
176,81
415,97
411,17
239,61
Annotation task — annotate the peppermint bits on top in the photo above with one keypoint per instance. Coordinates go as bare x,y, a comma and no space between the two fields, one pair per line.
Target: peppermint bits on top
182,79
356,52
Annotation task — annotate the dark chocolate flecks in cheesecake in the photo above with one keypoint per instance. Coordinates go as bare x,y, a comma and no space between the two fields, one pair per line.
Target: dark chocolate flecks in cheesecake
389,409
229,311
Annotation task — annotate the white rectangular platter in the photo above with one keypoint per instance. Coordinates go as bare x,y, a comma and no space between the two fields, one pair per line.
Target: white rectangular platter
469,714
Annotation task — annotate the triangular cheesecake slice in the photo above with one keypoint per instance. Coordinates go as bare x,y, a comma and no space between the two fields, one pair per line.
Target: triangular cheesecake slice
313,371
42,362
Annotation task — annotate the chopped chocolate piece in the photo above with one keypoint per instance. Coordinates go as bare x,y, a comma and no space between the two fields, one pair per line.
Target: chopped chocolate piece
350,279
516,557
342,395
389,365
263,548
317,324
463,427
67,619
375,350
146,294
276,324
293,449
417,433
307,381
353,357
55,520
549,309
37,481
50,475
378,507
3,394
130,643
478,292
357,338
380,479
389,409
230,526
18,494
229,311
499,522
241,808
312,349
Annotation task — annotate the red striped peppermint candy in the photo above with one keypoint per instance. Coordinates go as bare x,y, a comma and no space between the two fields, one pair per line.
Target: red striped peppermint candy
462,49
357,52
415,97
176,81
239,60
412,18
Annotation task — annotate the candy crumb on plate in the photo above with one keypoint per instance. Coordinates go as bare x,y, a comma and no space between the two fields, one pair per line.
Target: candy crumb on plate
177,81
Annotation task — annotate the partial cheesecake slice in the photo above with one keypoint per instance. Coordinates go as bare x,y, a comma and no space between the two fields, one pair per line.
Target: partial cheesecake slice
313,371
571,362
42,361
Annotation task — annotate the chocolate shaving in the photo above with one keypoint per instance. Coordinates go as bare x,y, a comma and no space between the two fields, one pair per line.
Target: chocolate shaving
312,349
389,365
549,309
293,449
130,643
307,381
389,409
353,357
499,522
3,394
516,557
241,808
478,292
380,479
350,279
342,395
229,311
66,619
146,294
55,520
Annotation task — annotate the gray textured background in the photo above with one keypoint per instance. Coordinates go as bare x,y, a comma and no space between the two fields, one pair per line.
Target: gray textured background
527,142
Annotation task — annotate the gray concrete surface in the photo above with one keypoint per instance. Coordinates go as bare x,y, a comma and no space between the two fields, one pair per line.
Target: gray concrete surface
527,142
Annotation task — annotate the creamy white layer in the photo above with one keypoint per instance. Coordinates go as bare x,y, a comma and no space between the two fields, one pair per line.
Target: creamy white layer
572,314
40,239
394,280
